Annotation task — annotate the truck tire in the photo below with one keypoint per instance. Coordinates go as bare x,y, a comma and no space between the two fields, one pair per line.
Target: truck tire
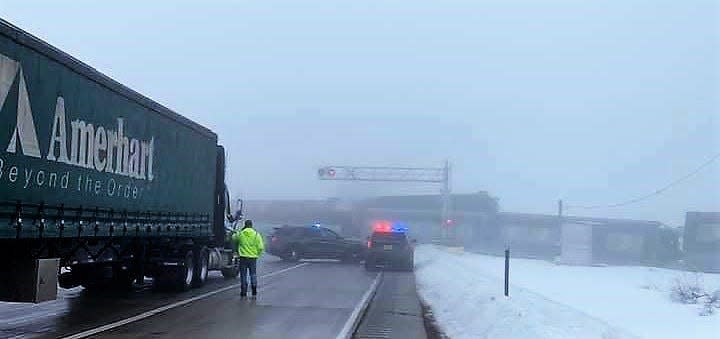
95,287
201,267
105,279
116,285
164,278
68,280
230,272
185,273
122,280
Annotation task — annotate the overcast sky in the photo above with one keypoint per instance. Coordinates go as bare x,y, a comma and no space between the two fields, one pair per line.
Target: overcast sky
594,102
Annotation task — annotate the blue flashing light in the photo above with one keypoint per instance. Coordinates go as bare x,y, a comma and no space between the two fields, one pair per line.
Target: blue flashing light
399,228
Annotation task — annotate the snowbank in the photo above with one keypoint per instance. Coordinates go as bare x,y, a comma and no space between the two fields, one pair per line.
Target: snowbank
553,301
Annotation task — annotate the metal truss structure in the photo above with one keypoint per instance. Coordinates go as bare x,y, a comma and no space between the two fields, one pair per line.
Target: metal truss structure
439,175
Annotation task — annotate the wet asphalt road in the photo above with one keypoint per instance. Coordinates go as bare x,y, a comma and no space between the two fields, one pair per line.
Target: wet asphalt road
313,300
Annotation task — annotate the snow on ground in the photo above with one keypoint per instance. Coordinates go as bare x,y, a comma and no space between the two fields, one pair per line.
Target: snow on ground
465,292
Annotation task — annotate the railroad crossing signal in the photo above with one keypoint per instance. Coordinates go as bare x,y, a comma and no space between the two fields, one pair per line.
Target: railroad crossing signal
396,174
326,173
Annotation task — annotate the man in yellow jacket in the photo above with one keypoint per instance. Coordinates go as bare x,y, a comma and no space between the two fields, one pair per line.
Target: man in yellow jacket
250,248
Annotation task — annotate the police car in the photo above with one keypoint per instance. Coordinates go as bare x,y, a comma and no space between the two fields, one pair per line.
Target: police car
389,247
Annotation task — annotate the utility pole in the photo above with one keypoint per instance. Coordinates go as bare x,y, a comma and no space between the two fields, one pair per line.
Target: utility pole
560,208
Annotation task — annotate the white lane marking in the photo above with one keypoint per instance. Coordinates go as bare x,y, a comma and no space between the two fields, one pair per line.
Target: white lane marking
153,312
354,319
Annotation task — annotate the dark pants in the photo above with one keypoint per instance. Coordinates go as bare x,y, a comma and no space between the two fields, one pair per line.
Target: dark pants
248,266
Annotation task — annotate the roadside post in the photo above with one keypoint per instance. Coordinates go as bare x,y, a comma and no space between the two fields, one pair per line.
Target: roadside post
507,272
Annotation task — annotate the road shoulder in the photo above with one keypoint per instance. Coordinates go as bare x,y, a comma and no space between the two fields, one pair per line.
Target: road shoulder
395,311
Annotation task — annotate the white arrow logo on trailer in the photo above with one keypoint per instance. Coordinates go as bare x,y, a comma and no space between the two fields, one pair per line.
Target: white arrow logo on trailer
25,126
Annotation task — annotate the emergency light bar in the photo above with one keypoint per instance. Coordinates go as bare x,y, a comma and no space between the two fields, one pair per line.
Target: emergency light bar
388,227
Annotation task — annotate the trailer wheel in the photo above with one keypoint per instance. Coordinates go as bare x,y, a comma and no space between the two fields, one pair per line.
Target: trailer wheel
184,275
201,267
123,279
231,272
94,287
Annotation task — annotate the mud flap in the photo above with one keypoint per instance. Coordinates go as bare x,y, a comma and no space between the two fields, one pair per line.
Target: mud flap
32,281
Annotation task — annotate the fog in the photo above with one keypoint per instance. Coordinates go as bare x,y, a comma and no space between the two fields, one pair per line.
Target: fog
533,101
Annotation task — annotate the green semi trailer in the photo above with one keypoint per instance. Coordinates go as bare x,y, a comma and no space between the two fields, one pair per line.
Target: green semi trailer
99,185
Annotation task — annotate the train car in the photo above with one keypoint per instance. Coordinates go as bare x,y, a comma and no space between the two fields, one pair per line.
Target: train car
701,241
594,241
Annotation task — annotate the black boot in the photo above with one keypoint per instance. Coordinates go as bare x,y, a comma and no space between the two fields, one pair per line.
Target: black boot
254,290
243,291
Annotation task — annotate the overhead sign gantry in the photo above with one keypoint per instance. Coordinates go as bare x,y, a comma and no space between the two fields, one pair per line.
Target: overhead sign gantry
437,175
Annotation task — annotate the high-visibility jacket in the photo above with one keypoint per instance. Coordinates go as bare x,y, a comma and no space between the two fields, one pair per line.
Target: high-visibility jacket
250,243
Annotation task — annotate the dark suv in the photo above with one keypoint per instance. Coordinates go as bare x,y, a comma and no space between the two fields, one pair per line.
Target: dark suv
293,243
390,249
